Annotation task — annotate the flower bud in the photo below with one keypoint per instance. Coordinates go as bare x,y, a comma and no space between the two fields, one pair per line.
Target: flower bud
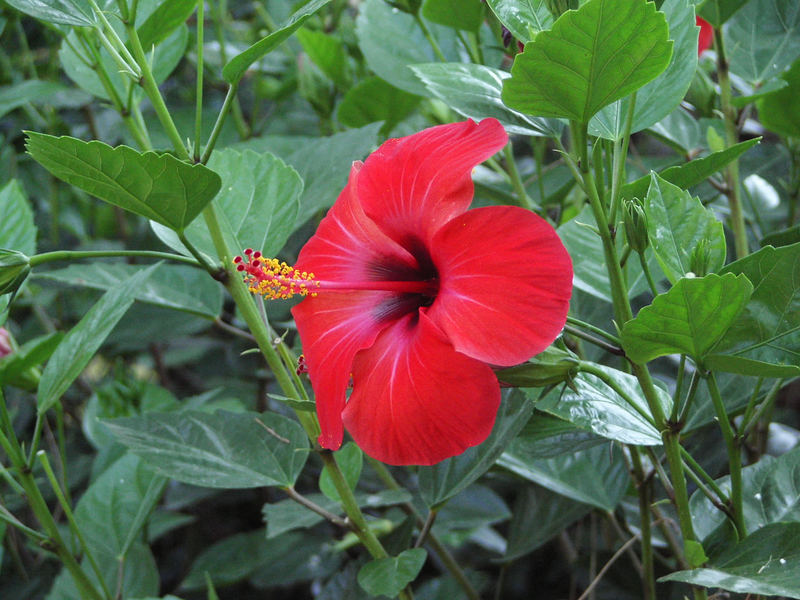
635,221
551,367
5,343
700,258
14,268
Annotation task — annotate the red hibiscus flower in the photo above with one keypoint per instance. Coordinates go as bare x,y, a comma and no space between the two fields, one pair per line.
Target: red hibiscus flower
706,37
412,297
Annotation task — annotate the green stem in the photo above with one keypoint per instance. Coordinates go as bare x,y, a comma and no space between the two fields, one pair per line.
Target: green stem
198,112
150,86
732,136
647,274
676,397
718,494
769,400
223,113
247,307
37,437
70,255
622,314
439,549
593,340
751,405
734,455
39,506
690,395
73,524
431,40
620,156
596,330
351,509
198,256
645,492
516,181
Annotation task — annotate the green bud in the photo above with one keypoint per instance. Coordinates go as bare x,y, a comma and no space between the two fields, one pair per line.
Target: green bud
700,258
551,367
14,268
635,221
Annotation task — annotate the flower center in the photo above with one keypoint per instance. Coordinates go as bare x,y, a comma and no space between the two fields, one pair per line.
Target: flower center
274,279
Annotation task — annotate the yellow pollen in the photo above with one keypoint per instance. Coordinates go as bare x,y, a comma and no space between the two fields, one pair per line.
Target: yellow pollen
274,279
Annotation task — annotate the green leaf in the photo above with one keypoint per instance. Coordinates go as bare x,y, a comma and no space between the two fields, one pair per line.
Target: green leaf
586,249
442,481
523,18
220,450
748,366
538,516
287,515
474,91
236,67
692,173
769,328
764,39
717,12
388,576
257,204
323,163
18,231
458,14
661,96
776,111
165,57
157,186
593,405
771,494
280,561
163,21
80,344
371,100
676,225
546,436
39,92
391,42
172,286
111,515
62,12
766,563
113,511
328,53
572,70
31,354
784,237
350,460
688,319
597,476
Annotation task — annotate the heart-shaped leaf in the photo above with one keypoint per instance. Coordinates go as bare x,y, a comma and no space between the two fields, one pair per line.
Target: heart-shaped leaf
573,70
688,319
156,186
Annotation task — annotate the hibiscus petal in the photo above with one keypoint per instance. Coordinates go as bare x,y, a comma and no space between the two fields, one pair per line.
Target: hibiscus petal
505,284
333,328
411,186
415,400
348,246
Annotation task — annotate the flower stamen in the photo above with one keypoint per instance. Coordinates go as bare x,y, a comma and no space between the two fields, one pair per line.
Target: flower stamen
276,280
272,278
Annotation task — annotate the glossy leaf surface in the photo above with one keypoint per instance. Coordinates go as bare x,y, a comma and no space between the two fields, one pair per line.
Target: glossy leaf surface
570,71
156,186
688,319
217,450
